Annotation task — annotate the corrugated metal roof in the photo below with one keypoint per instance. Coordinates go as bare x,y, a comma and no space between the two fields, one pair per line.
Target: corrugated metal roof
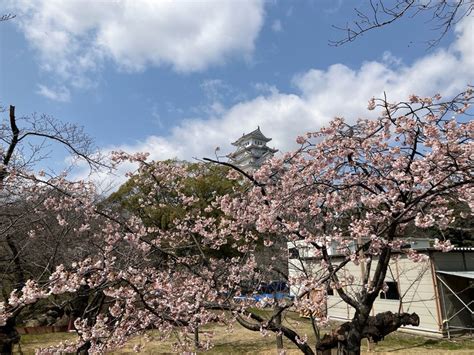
465,274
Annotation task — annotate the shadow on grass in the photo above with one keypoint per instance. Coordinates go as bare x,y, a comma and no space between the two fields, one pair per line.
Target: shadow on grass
241,347
413,346
435,344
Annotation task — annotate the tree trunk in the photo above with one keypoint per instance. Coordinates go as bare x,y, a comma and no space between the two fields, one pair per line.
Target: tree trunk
20,278
348,336
8,333
84,348
8,336
351,345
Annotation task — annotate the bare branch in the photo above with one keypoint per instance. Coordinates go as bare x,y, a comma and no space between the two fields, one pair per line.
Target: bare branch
381,13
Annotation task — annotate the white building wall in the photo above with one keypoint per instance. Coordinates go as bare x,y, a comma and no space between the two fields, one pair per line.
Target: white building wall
416,288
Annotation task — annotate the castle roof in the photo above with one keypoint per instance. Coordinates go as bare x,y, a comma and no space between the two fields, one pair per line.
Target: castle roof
257,134
241,151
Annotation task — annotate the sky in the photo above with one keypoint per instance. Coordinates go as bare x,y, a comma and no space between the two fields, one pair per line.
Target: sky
180,78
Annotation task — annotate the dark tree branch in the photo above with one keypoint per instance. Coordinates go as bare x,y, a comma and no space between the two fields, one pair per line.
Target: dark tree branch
444,13
6,17
13,143
287,332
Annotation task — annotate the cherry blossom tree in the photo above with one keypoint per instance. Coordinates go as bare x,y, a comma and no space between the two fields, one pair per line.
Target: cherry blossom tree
356,185
142,276
360,186
34,236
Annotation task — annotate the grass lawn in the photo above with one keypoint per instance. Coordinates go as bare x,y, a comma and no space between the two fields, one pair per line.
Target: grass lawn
242,341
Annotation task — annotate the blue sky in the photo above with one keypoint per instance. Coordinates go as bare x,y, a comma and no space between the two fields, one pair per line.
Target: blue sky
178,78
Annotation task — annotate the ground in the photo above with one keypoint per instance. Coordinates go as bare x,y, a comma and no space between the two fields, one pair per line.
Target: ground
242,341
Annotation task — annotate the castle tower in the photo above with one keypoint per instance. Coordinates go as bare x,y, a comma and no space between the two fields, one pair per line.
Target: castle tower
252,151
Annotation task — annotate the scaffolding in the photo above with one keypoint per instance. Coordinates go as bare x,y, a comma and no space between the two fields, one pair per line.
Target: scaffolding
457,299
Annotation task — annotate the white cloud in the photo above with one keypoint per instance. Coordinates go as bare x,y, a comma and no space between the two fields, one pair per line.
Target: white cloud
215,89
60,94
389,59
323,94
336,6
76,37
265,88
276,26
156,116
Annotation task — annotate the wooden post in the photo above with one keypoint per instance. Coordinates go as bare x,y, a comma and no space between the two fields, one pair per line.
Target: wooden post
196,337
279,337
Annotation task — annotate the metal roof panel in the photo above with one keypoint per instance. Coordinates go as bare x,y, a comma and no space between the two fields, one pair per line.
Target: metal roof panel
465,274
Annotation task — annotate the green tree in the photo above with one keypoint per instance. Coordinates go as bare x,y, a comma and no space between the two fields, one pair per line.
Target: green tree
203,183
